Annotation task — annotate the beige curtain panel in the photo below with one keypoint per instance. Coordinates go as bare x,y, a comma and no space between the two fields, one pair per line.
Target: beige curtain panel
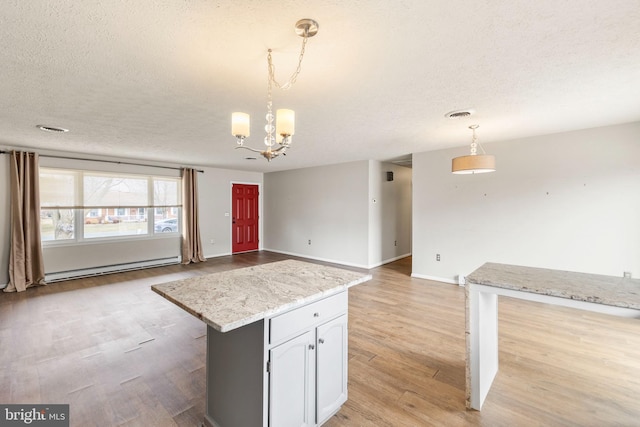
191,242
26,266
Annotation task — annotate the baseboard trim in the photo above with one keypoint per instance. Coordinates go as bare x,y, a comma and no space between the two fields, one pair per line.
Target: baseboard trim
209,422
387,261
434,278
333,261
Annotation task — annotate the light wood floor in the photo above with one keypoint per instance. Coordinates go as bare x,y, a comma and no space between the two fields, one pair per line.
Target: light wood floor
119,354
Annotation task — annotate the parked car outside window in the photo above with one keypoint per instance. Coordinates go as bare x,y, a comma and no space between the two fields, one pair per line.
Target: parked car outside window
166,226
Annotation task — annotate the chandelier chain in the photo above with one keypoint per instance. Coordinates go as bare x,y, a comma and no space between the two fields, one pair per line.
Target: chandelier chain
294,76
270,139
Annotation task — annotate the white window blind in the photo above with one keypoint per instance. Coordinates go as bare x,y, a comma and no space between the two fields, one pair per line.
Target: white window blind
100,190
57,188
80,204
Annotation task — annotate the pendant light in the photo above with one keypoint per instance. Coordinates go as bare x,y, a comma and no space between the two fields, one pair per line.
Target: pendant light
474,163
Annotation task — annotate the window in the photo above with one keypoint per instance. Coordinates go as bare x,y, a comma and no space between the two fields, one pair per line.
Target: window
87,205
57,189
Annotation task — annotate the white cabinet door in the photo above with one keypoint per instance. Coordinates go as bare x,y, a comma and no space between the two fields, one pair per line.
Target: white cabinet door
292,382
331,367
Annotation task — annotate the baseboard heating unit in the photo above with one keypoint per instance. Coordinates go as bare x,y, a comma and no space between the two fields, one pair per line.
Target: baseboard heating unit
106,269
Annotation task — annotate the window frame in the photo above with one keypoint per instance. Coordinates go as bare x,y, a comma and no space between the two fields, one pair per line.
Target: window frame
142,213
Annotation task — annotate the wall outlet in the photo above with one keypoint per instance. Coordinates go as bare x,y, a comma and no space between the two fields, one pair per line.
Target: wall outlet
437,257
309,241
213,242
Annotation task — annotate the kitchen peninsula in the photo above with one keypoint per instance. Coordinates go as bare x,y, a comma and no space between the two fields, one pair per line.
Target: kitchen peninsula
276,341
618,296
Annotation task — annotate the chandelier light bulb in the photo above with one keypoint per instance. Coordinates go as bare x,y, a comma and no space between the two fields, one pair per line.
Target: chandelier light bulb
285,122
240,125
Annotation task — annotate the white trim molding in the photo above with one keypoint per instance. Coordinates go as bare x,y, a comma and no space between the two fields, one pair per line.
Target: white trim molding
434,278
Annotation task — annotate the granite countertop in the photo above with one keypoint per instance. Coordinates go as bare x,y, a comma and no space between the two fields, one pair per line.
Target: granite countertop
607,290
230,299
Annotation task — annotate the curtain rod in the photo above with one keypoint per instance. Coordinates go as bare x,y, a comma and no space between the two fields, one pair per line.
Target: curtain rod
106,161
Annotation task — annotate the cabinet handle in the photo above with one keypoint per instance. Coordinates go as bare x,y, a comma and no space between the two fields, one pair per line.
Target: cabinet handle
316,314
312,347
321,340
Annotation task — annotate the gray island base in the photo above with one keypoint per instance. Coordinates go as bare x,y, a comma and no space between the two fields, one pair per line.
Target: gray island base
276,341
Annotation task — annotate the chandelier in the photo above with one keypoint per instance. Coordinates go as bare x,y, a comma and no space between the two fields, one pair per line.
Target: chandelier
278,137
474,163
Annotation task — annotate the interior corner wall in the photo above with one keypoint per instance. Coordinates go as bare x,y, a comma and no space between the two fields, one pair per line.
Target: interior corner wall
326,206
389,212
568,201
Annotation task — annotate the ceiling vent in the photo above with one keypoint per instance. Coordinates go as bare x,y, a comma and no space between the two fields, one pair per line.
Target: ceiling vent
460,114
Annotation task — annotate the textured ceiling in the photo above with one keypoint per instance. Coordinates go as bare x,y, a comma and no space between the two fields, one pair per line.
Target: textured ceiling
158,80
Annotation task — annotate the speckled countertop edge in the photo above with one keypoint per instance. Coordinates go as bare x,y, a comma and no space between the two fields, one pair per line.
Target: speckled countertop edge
230,299
599,289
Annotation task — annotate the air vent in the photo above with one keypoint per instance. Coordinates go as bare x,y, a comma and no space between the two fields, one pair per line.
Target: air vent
459,114
52,128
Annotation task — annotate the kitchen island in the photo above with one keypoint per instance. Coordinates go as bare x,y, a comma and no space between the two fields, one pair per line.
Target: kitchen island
276,341
616,296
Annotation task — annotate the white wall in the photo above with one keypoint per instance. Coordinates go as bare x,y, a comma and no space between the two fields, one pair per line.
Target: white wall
333,206
327,205
567,201
389,213
214,188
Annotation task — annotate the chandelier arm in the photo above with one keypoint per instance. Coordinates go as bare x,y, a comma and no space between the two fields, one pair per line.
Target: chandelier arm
281,148
249,148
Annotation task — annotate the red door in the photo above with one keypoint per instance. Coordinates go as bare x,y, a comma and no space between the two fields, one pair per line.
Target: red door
244,222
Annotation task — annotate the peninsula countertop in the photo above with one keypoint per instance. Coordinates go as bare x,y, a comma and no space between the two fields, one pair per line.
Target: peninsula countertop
594,288
230,299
